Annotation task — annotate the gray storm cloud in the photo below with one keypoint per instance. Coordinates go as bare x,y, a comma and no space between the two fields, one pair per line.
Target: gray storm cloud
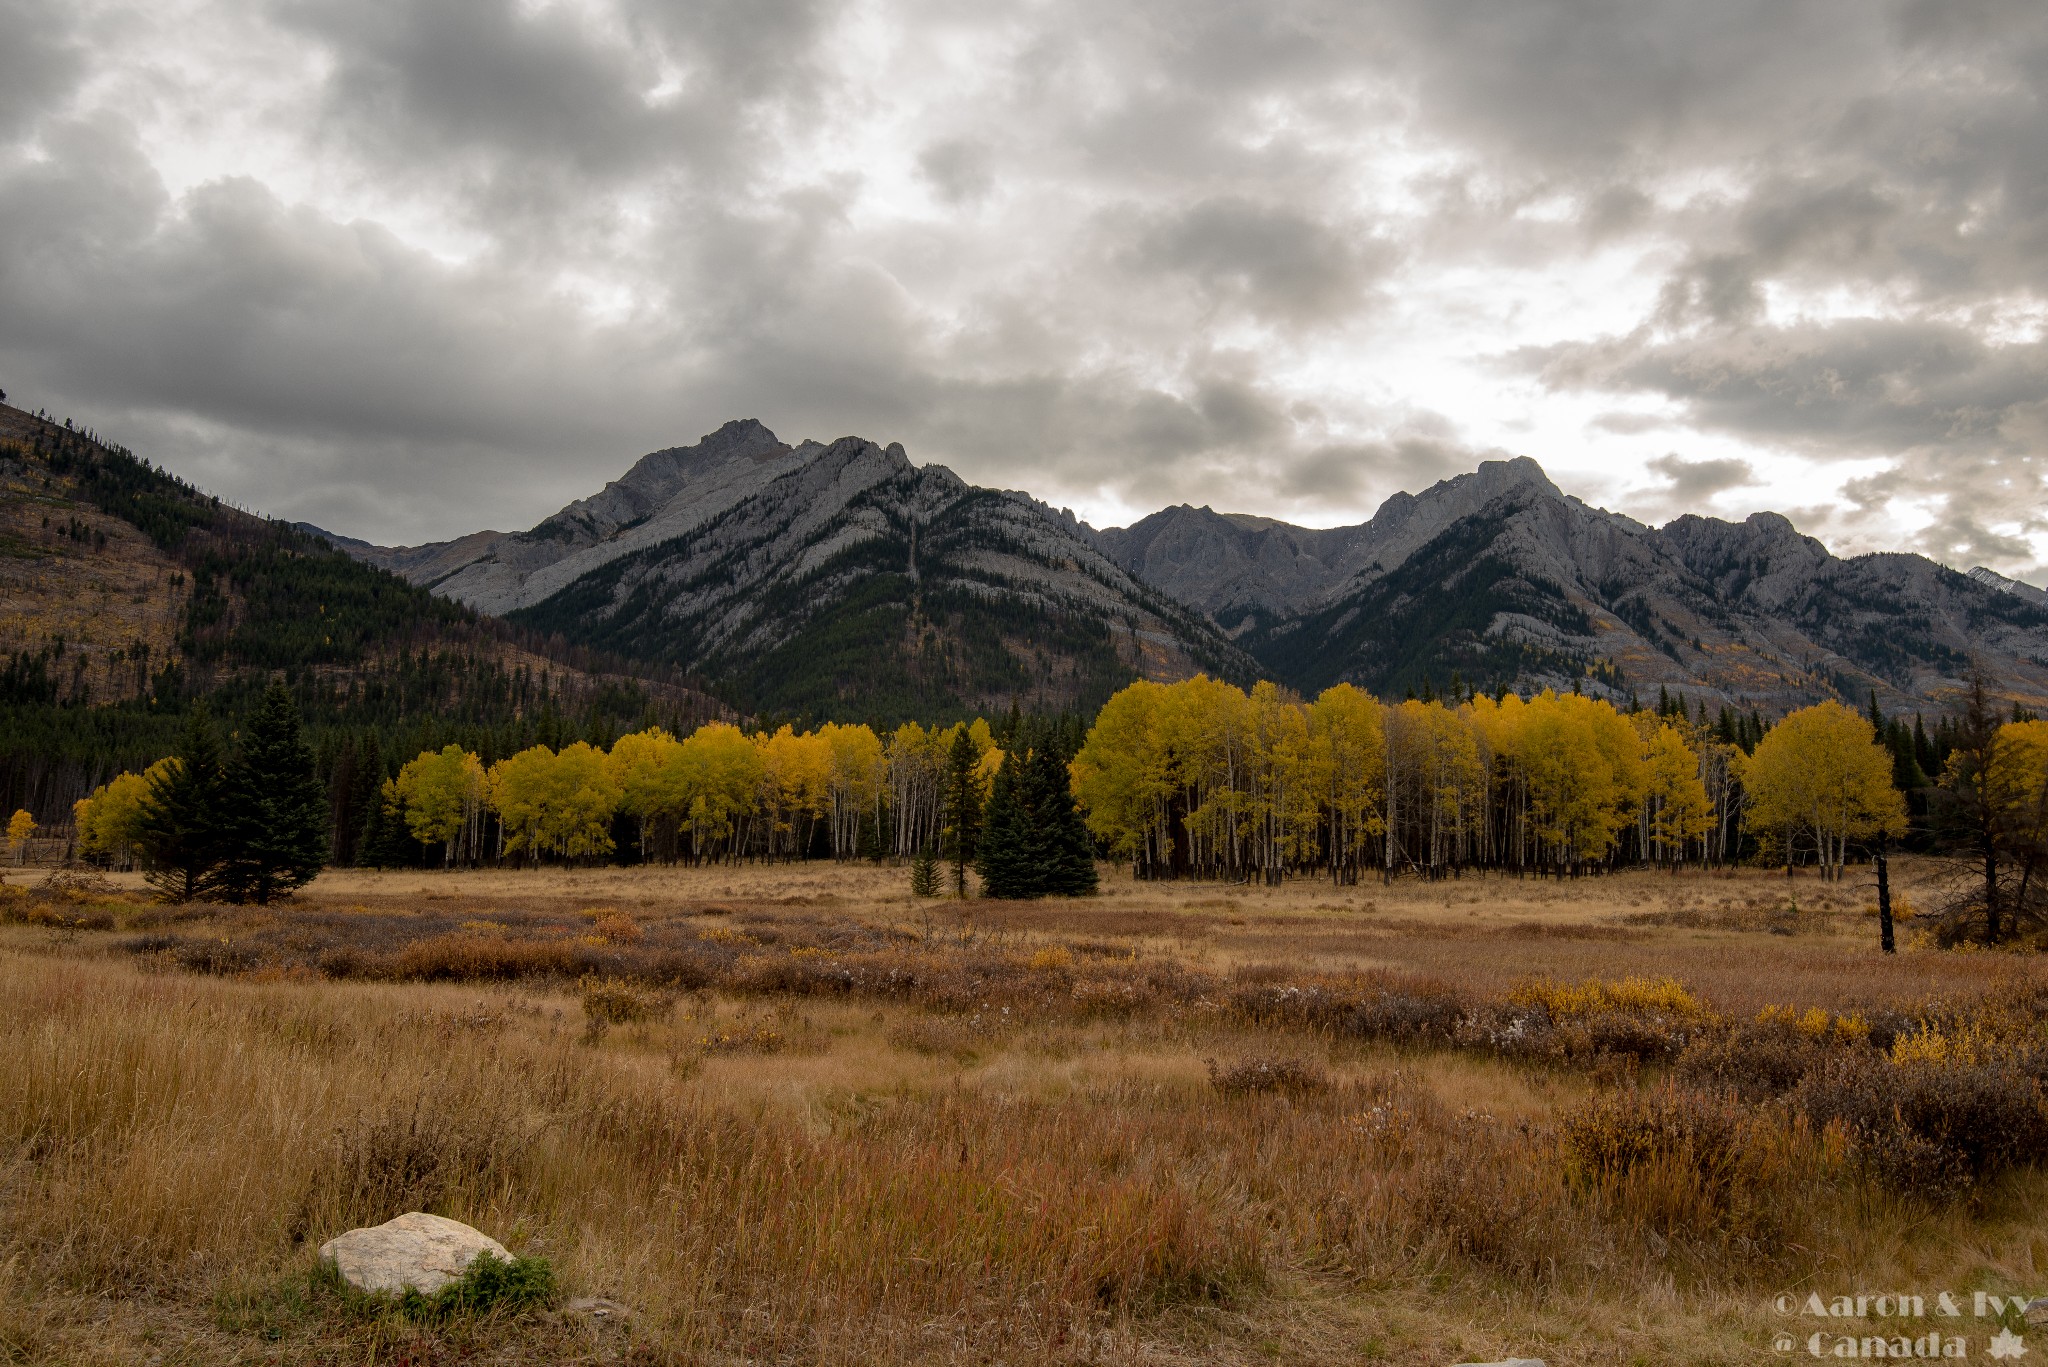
410,266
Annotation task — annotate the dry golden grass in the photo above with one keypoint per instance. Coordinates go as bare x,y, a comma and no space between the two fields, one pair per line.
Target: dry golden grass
1006,1162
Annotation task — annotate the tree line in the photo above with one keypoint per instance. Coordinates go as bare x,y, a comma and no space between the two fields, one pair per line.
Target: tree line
1204,779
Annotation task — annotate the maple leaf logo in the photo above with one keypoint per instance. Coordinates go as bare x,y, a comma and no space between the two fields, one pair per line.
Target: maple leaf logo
2006,1344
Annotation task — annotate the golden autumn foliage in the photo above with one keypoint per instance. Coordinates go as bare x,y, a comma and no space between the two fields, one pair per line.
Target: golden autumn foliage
1820,777
1200,777
559,804
2016,787
443,796
109,822
20,827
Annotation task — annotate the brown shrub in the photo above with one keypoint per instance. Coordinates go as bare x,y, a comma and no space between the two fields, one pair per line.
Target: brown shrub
64,909
744,1037
1381,1009
468,957
1930,1127
1482,1203
1757,1060
614,926
411,1157
615,1001
1689,1164
963,1038
1247,1076
1615,1132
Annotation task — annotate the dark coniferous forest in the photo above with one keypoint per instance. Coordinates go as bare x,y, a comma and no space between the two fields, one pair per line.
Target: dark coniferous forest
379,668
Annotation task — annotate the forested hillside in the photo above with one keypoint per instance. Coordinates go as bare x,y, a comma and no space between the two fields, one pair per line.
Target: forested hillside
127,596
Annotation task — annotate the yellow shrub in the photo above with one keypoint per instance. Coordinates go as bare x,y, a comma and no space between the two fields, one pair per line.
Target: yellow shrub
1660,996
1964,1044
614,1001
1052,959
1816,1023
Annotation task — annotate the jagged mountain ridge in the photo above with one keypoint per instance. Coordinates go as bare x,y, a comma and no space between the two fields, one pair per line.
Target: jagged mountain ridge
856,583
1495,576
665,494
1499,576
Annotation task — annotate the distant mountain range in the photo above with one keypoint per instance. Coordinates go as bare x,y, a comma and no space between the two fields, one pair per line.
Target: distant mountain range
829,580
843,578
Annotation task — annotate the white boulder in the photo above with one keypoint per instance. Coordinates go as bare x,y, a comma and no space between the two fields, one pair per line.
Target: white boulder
417,1250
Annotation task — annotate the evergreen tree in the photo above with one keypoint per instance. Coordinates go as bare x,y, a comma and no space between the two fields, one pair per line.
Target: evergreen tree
1065,850
962,807
1970,819
1006,856
276,811
386,842
924,873
179,831
1034,842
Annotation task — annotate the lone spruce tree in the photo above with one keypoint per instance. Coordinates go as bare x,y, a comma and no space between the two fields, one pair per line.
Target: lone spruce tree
1066,852
1006,857
276,809
962,807
179,830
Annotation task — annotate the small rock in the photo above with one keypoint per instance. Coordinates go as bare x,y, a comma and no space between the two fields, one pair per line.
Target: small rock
596,1310
417,1250
2037,1311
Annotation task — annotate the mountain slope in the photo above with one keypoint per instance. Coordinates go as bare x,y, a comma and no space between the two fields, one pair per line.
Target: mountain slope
119,582
1244,571
665,494
858,584
1498,578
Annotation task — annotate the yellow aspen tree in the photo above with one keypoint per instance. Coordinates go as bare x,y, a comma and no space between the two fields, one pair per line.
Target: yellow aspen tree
1210,737
917,773
1351,740
1497,729
721,780
646,766
1679,810
1121,779
2016,788
555,803
856,783
586,799
443,795
795,772
517,787
1820,774
1582,763
109,822
1458,782
20,827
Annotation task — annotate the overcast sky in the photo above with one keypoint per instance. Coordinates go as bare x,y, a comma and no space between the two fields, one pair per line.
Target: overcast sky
408,268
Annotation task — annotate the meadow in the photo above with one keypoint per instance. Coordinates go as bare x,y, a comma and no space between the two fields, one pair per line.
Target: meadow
787,1113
